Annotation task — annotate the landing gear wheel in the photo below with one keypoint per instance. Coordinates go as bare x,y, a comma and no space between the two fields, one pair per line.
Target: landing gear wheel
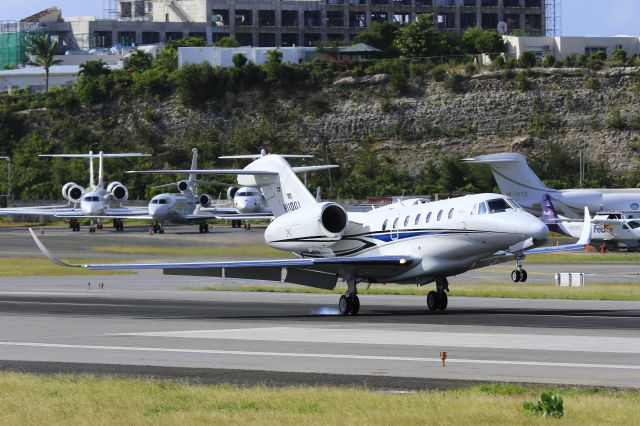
156,228
161,230
443,301
349,305
432,301
100,226
516,276
523,276
92,229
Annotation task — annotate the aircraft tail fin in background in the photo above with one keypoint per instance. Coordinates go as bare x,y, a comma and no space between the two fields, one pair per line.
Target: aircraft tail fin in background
513,175
550,215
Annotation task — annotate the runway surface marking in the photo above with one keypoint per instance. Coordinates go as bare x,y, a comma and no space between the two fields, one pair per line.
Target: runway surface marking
603,344
312,355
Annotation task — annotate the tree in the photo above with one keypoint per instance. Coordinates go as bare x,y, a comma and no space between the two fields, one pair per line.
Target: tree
44,52
138,61
418,38
274,56
620,56
527,60
94,69
381,35
239,60
476,41
228,41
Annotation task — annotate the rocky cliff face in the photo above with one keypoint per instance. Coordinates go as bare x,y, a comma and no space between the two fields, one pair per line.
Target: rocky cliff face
489,113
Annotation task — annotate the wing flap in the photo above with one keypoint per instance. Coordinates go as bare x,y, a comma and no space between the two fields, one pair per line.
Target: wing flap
311,278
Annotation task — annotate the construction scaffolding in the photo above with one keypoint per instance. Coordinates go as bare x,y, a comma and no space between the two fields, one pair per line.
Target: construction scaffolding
553,17
14,40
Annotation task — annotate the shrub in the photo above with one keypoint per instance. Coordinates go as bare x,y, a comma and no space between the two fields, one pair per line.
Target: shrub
507,74
550,405
239,60
620,56
198,83
470,68
439,73
228,41
455,83
581,61
499,62
548,61
420,70
152,82
527,60
615,120
593,83
274,56
596,64
598,56
571,60
522,83
138,61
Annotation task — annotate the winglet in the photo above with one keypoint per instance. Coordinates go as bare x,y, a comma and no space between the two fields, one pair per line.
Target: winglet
587,229
48,254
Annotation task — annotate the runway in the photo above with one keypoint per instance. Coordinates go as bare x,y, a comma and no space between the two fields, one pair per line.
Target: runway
149,324
158,325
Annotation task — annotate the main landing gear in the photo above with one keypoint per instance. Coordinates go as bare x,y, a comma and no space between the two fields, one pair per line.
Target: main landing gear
438,300
235,223
204,228
74,225
349,304
157,228
519,275
118,225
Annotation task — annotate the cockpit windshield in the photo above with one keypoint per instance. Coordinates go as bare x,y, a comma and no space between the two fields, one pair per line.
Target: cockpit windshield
498,205
162,201
92,199
633,224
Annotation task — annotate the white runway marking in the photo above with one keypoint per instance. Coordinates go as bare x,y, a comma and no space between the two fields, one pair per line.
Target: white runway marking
312,355
443,340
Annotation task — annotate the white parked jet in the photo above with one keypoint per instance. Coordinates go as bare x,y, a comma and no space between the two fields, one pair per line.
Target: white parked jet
516,180
94,202
609,229
407,244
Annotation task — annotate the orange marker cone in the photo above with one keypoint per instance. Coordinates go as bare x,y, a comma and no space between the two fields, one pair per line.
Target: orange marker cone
586,248
602,249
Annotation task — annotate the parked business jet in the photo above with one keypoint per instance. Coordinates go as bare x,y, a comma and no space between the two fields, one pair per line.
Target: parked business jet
609,229
96,202
516,180
401,243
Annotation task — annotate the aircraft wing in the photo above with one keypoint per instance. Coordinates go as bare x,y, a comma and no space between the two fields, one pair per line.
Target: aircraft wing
254,216
41,211
316,272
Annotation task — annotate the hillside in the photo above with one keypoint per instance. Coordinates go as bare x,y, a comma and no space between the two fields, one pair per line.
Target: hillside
388,136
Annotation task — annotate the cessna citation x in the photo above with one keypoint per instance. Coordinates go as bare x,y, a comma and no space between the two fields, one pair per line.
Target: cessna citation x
96,202
516,180
401,243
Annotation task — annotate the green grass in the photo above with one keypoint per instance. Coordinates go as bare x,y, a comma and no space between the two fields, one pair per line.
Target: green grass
36,267
230,251
592,291
82,400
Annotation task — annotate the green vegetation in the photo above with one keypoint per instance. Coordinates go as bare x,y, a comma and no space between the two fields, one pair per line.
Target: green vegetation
549,405
41,267
44,51
592,291
75,400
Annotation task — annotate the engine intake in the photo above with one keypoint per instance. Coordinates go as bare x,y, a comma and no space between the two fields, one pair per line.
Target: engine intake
231,192
183,185
308,229
205,200
72,192
118,190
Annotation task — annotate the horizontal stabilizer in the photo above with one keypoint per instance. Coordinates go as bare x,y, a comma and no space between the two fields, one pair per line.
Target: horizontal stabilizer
207,172
256,156
134,154
306,169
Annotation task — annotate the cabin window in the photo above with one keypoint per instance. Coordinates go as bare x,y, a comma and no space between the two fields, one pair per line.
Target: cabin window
439,215
417,220
499,205
428,218
384,225
482,209
406,221
450,214
395,223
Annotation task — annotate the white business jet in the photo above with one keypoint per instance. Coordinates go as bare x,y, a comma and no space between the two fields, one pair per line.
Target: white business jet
95,202
402,243
516,180
609,229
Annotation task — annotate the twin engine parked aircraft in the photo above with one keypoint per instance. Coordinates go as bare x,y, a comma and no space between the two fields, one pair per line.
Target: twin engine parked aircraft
407,244
518,181
95,202
609,229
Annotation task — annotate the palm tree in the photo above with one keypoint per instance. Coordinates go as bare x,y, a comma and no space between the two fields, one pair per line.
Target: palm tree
44,52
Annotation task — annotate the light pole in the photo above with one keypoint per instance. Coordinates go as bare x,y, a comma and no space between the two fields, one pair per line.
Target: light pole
8,159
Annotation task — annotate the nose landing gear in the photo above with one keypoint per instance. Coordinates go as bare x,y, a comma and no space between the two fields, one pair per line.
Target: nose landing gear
519,275
438,300
204,228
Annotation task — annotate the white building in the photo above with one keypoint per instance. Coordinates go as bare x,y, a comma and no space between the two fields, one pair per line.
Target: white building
33,78
222,56
561,47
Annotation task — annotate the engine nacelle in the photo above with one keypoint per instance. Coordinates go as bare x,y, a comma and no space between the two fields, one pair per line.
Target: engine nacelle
72,192
231,192
205,200
183,185
118,190
308,229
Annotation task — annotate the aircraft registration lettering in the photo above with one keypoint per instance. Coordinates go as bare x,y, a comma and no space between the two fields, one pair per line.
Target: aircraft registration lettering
292,206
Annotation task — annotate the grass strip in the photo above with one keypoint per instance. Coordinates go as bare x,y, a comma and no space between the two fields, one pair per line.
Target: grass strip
592,291
227,251
81,400
593,257
30,267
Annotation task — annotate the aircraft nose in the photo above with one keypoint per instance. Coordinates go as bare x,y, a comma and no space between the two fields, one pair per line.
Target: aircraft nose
538,230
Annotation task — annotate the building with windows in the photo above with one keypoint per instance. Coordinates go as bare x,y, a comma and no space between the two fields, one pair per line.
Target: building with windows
270,23
561,47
